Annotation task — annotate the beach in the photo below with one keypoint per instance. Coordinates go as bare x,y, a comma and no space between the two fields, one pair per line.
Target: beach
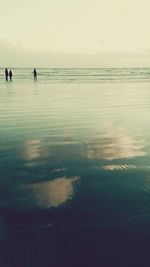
75,173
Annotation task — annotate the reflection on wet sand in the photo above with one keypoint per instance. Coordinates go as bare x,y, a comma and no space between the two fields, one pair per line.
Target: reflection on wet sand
53,193
115,145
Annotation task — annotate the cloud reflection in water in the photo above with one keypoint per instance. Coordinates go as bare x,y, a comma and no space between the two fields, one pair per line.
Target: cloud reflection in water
53,193
117,167
114,145
33,152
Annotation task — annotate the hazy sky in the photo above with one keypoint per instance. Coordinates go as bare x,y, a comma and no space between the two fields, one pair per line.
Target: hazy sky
75,26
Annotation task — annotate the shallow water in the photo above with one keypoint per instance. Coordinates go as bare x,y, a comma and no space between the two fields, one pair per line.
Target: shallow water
80,75
75,173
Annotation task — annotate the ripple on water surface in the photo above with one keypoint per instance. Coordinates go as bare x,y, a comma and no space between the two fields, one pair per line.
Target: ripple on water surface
74,163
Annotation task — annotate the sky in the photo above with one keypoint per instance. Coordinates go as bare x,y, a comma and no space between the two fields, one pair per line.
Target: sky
75,31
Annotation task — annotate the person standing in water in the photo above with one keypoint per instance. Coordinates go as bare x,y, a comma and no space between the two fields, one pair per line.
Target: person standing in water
10,75
35,74
6,74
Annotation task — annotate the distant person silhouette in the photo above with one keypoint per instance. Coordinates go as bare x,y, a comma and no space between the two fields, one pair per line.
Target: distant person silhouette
10,75
35,74
6,74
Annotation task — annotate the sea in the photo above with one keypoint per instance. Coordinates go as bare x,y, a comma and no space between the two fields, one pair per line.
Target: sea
75,168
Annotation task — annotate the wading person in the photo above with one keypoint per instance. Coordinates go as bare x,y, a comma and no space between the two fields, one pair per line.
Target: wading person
10,75
35,74
6,74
